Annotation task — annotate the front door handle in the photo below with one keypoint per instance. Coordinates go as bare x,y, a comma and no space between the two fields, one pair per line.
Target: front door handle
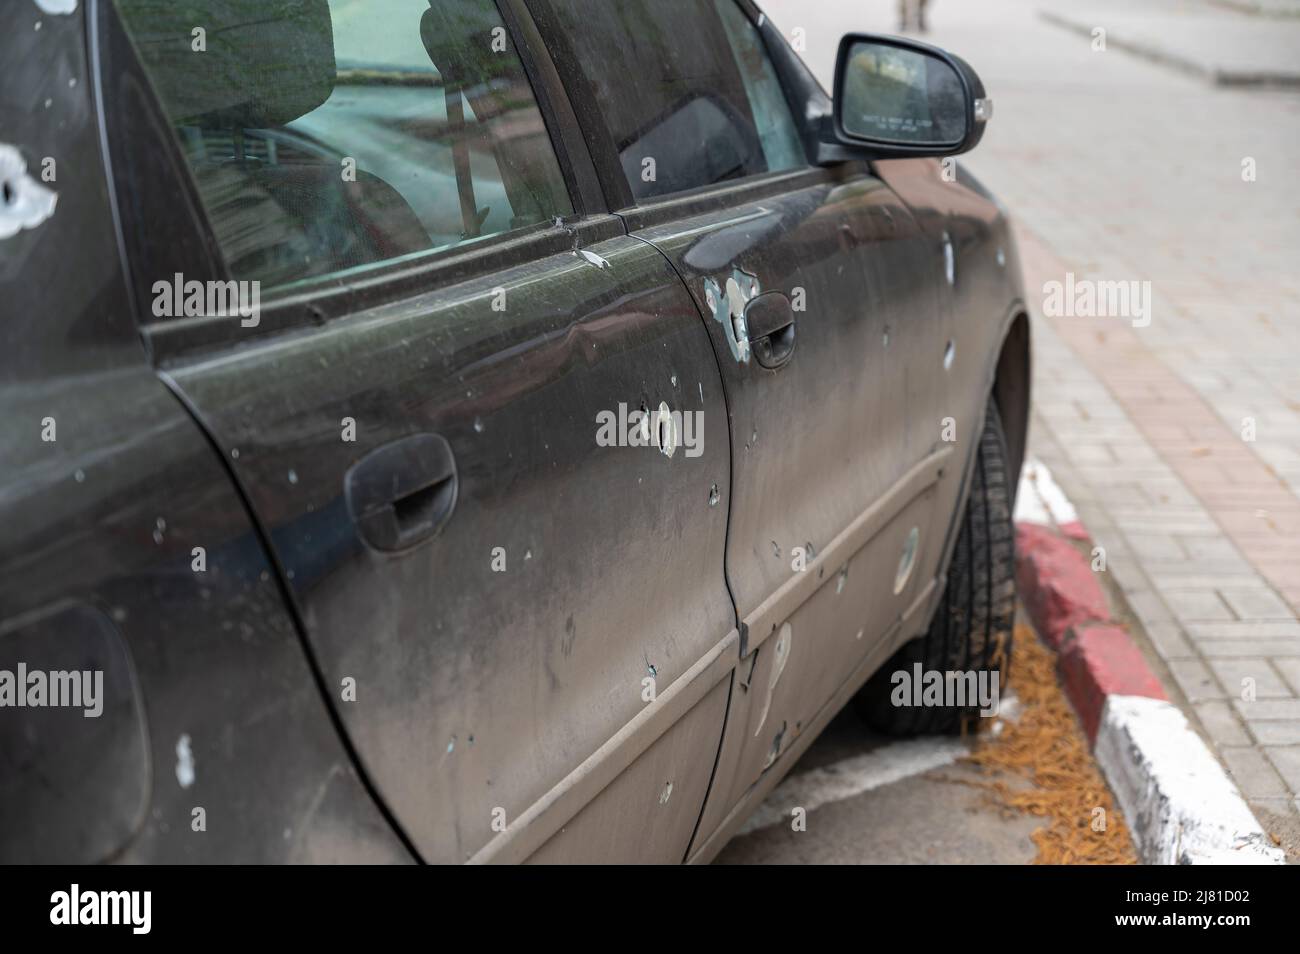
769,319
403,493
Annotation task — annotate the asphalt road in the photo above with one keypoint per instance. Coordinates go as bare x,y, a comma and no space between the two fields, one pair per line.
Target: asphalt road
903,811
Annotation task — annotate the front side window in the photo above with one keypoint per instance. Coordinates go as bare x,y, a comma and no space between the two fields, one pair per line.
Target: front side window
327,136
686,88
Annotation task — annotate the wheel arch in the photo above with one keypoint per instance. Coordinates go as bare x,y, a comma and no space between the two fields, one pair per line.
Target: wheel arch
1011,389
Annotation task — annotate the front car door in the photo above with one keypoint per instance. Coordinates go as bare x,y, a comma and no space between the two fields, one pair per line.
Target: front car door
522,621
820,295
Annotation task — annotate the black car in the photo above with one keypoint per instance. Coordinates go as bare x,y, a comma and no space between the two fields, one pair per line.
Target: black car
480,430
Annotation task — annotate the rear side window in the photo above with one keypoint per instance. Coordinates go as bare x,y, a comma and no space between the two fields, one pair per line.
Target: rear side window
686,88
327,136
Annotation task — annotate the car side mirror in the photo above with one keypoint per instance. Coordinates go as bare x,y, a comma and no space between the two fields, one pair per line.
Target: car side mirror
897,98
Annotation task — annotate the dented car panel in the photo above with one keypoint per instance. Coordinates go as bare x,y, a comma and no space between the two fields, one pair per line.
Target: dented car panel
558,545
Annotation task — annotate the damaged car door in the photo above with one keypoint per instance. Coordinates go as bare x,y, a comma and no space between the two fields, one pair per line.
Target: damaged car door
481,428
817,288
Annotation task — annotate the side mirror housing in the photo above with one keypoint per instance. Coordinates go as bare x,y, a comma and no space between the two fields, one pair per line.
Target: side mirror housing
897,98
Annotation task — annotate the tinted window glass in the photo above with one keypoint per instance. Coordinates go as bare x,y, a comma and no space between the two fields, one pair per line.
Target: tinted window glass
331,135
686,88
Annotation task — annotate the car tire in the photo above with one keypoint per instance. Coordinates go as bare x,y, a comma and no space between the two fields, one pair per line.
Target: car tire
973,623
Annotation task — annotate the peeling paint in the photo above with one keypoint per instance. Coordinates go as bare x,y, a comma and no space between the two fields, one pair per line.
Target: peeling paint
666,794
780,656
24,202
775,750
57,6
907,562
728,308
592,258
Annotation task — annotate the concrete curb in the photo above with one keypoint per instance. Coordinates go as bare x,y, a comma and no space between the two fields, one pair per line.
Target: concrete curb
1179,802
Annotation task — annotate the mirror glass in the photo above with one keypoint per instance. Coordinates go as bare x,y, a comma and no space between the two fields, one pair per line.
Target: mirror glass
894,94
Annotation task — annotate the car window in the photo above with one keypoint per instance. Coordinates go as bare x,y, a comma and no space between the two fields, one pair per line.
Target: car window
686,88
327,136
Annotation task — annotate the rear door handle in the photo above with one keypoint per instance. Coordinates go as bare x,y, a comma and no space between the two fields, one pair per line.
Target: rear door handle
403,493
770,321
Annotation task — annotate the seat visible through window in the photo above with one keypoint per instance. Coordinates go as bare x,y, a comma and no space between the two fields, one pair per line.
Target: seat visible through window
326,136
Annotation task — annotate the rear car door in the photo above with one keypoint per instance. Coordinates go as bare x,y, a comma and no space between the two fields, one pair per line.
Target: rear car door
518,608
178,720
818,291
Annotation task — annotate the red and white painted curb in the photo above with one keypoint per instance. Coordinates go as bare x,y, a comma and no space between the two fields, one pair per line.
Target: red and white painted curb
1179,802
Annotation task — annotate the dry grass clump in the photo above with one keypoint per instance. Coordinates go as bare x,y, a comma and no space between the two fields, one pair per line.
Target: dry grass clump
1046,747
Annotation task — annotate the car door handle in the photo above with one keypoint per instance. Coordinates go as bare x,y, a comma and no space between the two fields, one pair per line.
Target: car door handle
769,319
402,493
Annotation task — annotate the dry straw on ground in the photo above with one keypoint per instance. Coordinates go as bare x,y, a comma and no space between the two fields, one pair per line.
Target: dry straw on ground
1046,748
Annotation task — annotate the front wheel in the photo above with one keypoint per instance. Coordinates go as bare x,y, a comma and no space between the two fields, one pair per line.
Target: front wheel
972,627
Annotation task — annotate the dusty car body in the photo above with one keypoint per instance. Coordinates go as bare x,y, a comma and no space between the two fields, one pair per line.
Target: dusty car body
363,580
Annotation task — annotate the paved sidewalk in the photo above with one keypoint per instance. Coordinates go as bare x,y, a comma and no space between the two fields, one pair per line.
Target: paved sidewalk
1216,43
1179,441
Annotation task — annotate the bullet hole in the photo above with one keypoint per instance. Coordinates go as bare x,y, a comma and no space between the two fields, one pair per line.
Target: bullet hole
665,430
184,762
